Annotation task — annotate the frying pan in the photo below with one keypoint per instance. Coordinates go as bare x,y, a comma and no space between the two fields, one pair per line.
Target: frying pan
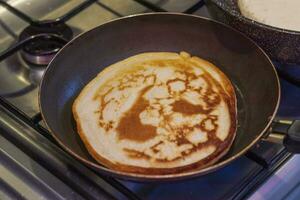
247,66
280,44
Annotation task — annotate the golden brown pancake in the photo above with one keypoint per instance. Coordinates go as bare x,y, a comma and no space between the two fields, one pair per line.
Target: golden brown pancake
157,113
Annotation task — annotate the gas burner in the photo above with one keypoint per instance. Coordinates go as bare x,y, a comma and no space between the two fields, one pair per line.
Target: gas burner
41,51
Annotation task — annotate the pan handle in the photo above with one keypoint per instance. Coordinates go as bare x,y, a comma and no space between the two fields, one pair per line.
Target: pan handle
286,132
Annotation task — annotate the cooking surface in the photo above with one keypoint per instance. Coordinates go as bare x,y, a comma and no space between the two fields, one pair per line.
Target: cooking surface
34,167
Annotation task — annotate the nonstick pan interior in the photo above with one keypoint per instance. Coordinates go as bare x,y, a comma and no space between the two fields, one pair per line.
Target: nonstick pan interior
248,68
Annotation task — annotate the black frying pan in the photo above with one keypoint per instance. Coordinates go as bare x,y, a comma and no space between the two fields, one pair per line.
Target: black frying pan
247,66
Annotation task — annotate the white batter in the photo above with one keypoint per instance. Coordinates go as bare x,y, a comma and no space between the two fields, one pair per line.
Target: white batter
279,13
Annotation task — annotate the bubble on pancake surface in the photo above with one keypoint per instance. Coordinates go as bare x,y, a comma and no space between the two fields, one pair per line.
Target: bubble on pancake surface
163,111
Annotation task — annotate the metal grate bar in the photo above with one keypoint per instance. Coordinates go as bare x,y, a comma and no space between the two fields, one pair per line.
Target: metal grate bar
60,19
37,118
9,192
256,158
17,12
255,181
25,118
109,9
150,6
8,29
288,77
121,188
195,7
75,11
14,48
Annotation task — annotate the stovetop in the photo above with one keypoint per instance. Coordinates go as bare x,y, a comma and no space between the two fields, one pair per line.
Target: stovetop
34,167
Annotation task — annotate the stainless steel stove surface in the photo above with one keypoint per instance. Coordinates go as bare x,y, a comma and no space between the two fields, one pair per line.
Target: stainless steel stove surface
34,167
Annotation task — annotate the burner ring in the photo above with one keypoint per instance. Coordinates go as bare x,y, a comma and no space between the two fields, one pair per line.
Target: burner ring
41,51
38,59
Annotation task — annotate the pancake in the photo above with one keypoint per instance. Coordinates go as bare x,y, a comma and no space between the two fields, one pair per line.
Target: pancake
157,113
277,13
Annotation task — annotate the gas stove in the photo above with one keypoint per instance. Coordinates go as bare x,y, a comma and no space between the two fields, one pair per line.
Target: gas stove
33,166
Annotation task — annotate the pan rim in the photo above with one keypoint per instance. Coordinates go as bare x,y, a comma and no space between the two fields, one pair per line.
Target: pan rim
165,177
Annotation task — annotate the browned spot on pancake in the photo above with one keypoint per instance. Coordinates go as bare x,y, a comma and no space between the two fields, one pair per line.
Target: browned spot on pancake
164,160
154,147
136,154
130,126
97,94
181,139
187,108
